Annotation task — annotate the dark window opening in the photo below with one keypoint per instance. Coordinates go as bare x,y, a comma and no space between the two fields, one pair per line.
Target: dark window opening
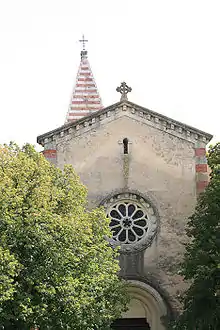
130,324
125,143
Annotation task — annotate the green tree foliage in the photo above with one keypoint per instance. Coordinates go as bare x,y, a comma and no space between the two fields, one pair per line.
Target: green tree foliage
202,259
214,156
9,268
56,269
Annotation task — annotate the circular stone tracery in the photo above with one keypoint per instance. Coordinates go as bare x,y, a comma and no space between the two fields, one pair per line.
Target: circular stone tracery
132,221
129,222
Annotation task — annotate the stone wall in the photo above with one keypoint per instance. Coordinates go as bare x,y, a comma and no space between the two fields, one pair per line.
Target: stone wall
160,166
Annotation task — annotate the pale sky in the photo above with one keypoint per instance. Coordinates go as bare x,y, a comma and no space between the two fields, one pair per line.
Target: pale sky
168,51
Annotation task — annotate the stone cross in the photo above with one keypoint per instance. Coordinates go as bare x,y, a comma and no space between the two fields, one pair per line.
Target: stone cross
124,90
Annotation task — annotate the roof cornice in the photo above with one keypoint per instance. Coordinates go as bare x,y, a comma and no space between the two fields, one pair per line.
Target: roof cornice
133,110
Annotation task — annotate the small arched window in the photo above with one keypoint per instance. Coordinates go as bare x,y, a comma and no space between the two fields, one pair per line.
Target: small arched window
125,144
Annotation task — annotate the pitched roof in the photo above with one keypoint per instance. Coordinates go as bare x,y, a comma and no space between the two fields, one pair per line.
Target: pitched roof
139,113
85,98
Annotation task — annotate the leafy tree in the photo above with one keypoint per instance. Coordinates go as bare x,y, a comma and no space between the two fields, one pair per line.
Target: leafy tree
57,270
214,156
9,268
202,259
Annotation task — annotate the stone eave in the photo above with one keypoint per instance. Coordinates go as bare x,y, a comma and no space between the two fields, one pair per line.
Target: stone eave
67,126
173,121
151,117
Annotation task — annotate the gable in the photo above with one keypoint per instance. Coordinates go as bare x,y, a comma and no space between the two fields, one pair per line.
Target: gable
134,112
147,146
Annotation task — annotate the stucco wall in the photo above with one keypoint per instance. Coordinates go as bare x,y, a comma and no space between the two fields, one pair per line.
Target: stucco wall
161,167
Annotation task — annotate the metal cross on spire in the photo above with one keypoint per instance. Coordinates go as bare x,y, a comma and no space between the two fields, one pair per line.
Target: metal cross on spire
124,90
83,40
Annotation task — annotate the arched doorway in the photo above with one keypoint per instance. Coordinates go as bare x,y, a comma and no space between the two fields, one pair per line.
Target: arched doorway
145,311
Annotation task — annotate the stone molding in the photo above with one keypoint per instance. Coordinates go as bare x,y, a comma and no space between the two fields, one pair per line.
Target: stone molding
154,305
133,111
152,212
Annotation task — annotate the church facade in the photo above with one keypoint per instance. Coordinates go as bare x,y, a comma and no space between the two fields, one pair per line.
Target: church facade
146,170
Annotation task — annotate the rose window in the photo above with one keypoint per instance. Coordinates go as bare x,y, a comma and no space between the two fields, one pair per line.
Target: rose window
129,222
132,220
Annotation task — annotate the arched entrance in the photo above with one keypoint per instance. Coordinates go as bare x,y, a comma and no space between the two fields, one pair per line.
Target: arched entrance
146,309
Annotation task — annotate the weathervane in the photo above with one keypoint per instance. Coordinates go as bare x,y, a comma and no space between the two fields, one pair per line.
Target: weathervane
124,90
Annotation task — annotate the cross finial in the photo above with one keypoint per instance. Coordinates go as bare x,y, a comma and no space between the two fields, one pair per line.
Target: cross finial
83,40
124,90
